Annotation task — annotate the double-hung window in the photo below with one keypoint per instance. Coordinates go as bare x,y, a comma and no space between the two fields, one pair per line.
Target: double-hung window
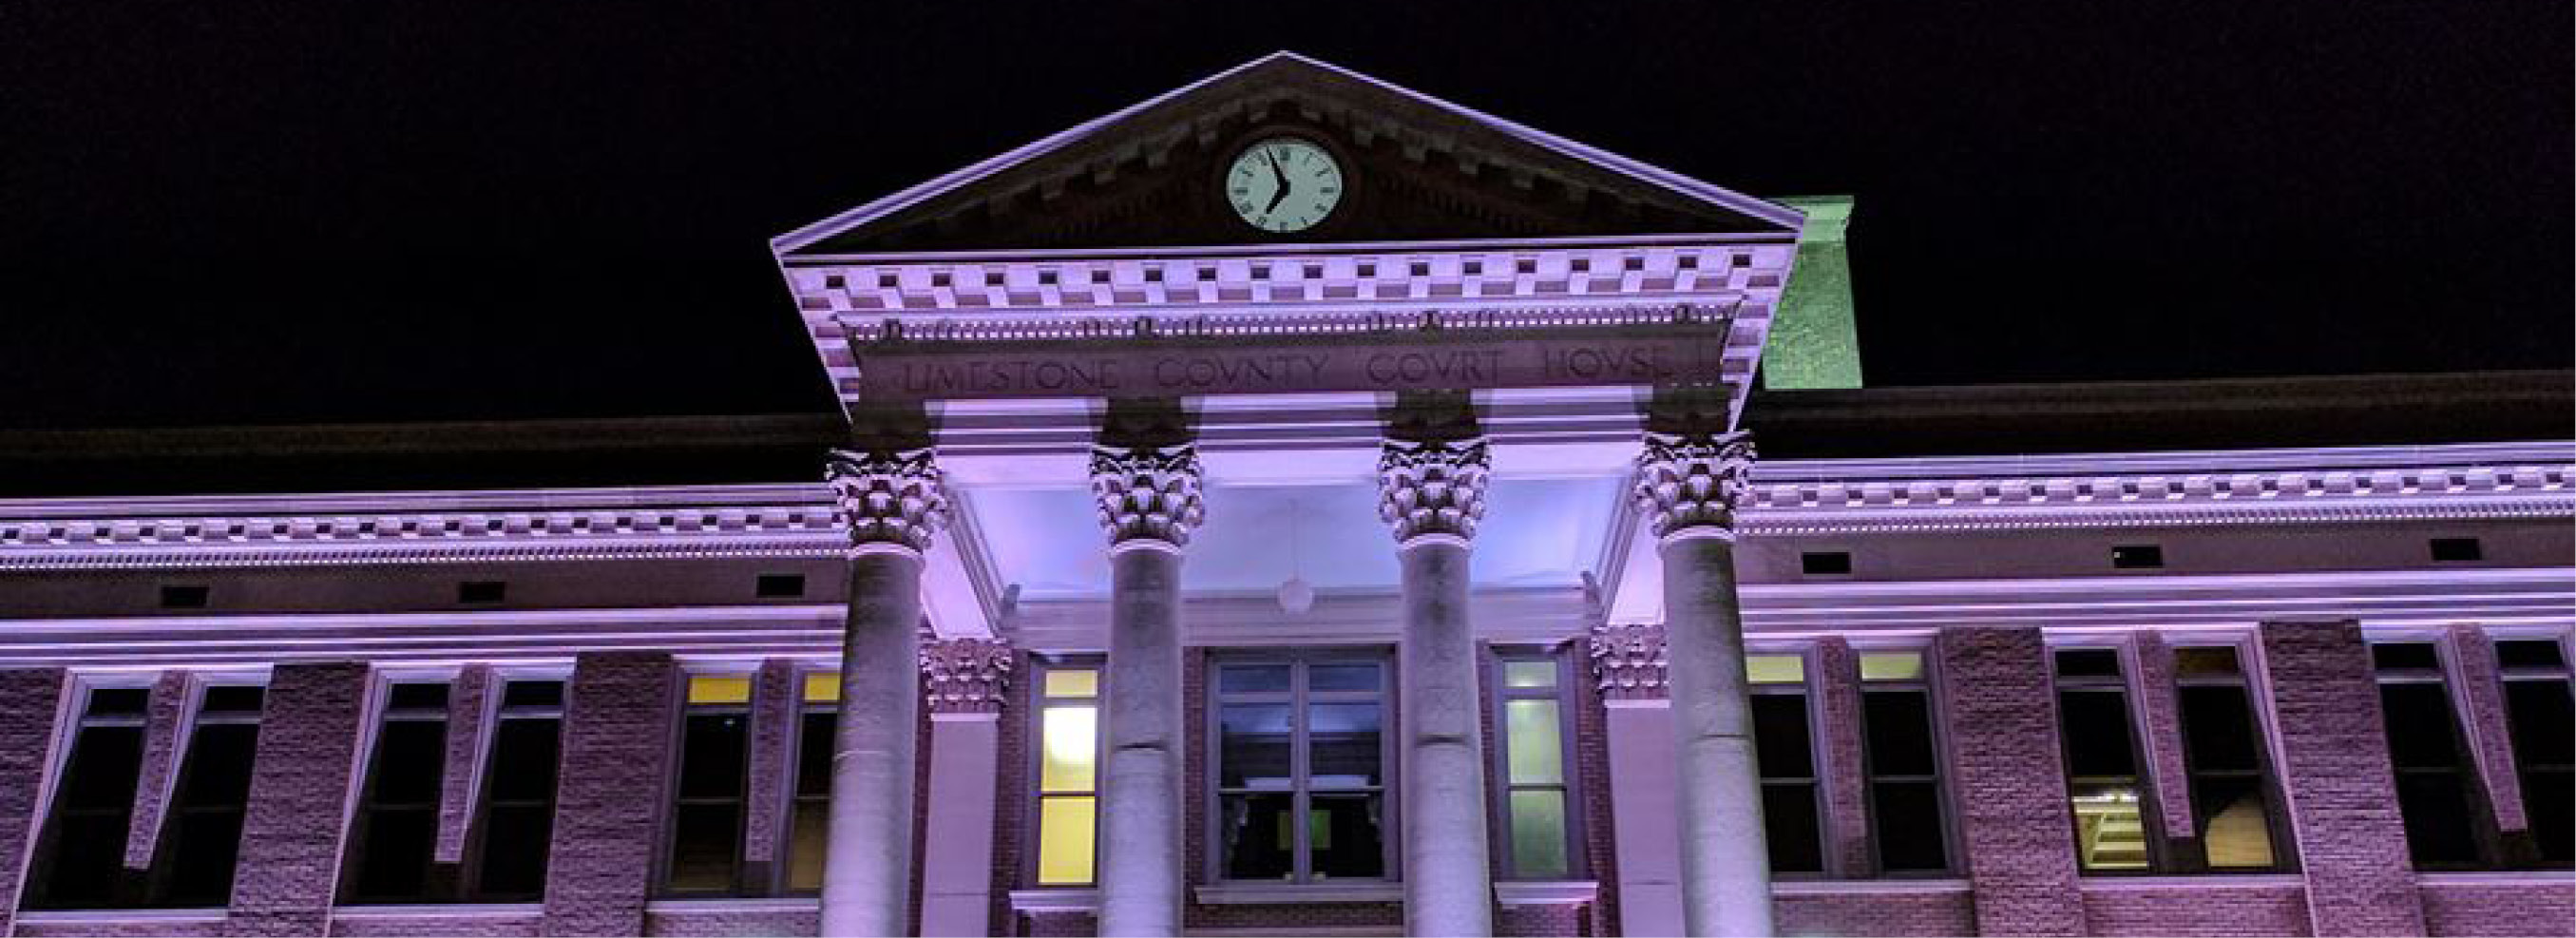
1783,744
2537,703
203,837
80,859
2236,808
2434,779
707,818
519,793
818,722
1531,781
2102,776
397,822
1301,768
1068,777
83,857
1907,828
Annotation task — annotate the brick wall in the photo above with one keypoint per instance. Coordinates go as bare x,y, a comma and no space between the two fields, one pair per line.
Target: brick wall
1592,774
1862,912
720,918
611,792
1538,921
1011,795
2545,904
2334,765
2007,782
775,712
309,752
2208,906
1846,796
501,921
30,701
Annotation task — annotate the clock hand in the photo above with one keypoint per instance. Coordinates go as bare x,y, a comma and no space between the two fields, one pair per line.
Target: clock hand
1282,176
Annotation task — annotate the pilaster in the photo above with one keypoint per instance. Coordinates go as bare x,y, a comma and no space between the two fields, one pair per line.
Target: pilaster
2342,790
297,818
965,683
1628,671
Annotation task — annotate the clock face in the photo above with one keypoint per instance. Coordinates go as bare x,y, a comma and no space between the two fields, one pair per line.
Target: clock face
1283,185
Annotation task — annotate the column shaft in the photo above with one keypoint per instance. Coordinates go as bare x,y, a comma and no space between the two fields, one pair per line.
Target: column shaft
867,865
1448,886
1726,866
1140,794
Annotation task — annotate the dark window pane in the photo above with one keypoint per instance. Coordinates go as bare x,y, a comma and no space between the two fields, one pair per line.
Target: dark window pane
814,754
2218,729
1253,746
105,761
1342,677
1825,563
1254,831
532,694
2419,725
703,842
1907,819
1344,834
2544,731
712,755
1253,678
779,585
515,841
1343,750
417,697
2097,734
2404,656
2088,662
234,699
2456,549
118,701
1789,826
202,848
2549,798
1780,736
183,597
89,855
481,591
218,770
394,861
2530,653
1900,732
411,758
2437,818
524,759
2211,661
2138,556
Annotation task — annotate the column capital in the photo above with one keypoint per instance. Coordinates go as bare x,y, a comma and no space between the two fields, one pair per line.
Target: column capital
888,498
1690,485
1433,488
1148,494
965,675
1628,662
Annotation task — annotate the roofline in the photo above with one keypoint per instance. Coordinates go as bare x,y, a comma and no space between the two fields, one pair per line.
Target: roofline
906,198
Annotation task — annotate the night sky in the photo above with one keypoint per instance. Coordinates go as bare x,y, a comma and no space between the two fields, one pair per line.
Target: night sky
254,212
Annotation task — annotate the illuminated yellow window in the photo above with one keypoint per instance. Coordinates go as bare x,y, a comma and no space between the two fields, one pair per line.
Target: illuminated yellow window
1775,669
1068,730
1891,666
823,687
1529,674
719,689
1533,786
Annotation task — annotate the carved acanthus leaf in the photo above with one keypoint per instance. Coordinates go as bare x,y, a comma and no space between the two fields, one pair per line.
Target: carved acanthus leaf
1147,493
888,497
1693,481
1432,487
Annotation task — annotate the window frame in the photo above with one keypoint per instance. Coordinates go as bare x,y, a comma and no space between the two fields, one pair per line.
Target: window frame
1033,759
2565,674
71,718
380,710
1927,682
1808,688
2128,685
678,747
1390,791
2444,674
2266,771
185,766
473,869
1499,787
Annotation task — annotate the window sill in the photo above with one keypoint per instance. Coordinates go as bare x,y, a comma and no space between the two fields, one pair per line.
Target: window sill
110,916
1055,899
749,903
1845,887
1299,893
2555,877
2097,881
1546,892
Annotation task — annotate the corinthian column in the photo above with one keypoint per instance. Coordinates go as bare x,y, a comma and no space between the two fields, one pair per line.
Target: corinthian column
892,502
1689,487
1433,493
1149,501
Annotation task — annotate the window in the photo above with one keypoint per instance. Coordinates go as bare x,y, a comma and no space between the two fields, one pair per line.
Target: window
1531,780
1903,765
481,592
194,866
81,862
2137,557
1825,563
183,597
1301,769
519,793
1791,819
779,585
2544,741
2102,777
2236,808
2433,778
1068,759
706,821
397,826
2457,549
810,823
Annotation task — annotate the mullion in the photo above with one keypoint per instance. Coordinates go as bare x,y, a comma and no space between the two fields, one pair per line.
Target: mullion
1300,777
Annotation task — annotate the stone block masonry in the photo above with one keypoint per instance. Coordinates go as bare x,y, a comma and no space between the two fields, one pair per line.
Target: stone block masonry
2008,782
611,792
30,702
309,754
2343,794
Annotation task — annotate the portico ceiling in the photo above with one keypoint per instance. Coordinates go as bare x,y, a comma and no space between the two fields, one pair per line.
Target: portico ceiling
1539,532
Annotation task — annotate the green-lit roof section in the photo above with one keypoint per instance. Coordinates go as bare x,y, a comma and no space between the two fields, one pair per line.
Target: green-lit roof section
1815,342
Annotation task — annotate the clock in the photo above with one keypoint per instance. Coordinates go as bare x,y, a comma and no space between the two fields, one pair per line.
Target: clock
1283,185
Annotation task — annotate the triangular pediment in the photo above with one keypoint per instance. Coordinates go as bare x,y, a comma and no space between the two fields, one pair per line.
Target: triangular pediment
1417,169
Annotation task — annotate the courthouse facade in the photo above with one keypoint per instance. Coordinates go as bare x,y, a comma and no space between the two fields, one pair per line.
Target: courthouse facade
1298,505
